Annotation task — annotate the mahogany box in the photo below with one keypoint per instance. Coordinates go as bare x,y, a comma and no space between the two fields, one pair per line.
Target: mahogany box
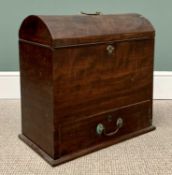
86,82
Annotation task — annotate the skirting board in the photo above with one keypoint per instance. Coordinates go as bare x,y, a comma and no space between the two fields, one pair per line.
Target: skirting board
10,85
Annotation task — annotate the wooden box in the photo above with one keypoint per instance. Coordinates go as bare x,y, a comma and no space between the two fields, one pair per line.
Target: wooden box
86,82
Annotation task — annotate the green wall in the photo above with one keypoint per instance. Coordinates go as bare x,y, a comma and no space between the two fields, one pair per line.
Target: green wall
12,12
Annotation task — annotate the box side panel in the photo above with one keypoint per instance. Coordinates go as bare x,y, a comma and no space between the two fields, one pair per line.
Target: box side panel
37,95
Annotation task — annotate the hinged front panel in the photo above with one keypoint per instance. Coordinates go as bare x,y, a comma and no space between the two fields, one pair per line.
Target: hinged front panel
96,78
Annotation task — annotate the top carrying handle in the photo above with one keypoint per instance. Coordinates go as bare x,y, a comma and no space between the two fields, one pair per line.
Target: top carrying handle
96,13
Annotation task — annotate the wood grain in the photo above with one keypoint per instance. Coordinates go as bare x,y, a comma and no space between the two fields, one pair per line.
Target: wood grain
60,31
85,85
70,82
82,134
37,95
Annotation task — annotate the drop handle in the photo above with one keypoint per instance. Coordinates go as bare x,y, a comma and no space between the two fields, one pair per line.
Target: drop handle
101,129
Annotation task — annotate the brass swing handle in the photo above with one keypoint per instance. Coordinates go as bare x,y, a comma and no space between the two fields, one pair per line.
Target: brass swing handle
100,129
96,13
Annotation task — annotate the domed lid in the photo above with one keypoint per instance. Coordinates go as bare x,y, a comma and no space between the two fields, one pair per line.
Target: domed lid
62,31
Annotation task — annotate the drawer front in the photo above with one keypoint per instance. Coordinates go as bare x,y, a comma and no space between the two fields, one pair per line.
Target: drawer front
91,79
83,134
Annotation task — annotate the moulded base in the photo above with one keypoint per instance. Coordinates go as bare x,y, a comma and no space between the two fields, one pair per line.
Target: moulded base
54,162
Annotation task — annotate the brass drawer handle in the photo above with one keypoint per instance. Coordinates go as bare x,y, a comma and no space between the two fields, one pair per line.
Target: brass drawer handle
100,129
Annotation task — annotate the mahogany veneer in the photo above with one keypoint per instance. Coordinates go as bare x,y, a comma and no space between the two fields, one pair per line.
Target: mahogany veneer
86,82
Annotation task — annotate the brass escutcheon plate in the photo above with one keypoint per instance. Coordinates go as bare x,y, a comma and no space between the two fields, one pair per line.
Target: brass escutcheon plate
110,49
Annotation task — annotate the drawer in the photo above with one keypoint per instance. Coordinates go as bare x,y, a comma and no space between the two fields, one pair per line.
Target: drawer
82,134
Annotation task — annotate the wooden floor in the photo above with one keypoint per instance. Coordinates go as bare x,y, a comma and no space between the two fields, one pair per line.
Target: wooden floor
148,154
